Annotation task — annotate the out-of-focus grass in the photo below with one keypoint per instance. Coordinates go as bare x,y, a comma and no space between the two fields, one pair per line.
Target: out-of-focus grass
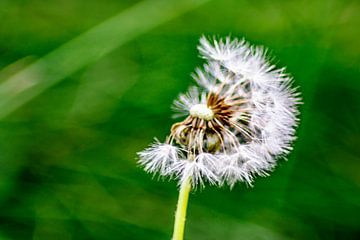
87,48
68,168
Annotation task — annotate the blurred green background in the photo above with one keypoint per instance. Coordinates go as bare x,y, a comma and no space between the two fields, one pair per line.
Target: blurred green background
85,84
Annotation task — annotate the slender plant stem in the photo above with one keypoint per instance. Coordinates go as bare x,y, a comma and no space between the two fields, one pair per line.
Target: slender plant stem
180,215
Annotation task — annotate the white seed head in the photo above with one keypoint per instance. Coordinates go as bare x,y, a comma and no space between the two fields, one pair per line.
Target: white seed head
238,122
201,111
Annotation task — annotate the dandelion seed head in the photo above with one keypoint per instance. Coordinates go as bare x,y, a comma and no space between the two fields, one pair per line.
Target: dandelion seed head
235,125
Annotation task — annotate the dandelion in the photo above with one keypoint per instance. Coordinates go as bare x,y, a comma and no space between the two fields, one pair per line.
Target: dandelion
237,122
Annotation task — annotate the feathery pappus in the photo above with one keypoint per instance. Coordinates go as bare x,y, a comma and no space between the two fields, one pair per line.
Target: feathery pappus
236,123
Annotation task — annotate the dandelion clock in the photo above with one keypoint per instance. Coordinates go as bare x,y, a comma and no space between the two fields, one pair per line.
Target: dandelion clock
233,126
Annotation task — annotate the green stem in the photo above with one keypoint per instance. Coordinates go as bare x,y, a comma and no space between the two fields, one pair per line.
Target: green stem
180,215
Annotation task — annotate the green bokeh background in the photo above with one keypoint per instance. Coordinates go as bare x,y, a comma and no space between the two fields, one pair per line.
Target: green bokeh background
68,148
